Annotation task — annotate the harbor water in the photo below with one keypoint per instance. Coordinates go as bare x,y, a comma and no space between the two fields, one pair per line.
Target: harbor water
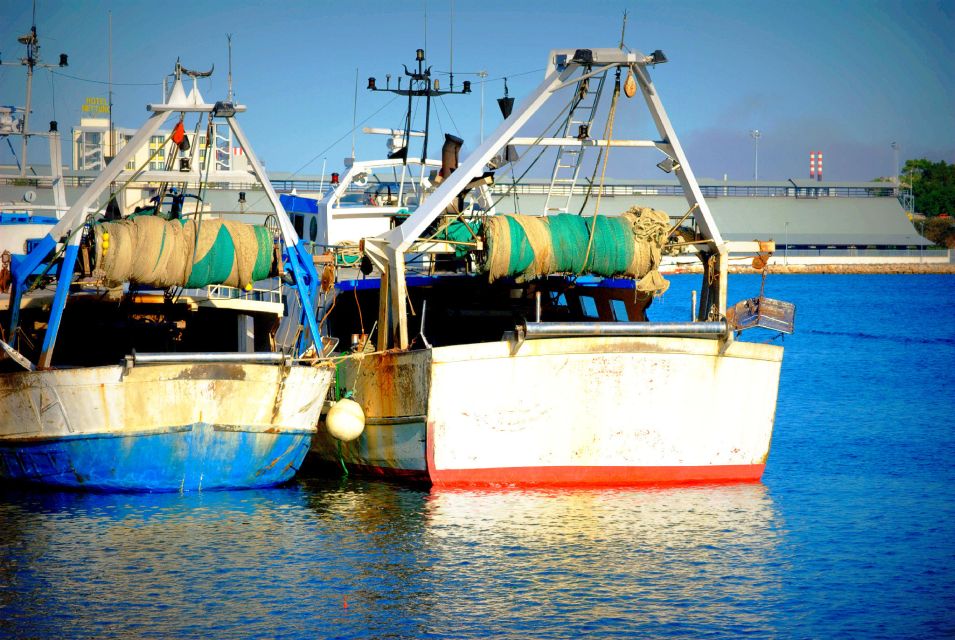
851,533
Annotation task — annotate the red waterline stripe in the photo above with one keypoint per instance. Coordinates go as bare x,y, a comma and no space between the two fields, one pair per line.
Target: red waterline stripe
619,476
569,476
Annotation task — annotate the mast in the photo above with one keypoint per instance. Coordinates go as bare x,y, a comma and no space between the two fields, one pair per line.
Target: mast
109,79
229,38
32,52
420,85
32,60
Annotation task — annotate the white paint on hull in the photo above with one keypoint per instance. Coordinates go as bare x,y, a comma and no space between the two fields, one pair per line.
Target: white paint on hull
572,402
603,402
114,400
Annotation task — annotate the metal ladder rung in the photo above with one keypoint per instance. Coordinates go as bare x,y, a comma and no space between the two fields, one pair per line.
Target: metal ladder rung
570,158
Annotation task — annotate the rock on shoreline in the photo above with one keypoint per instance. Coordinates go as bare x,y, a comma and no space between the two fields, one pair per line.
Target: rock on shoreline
856,269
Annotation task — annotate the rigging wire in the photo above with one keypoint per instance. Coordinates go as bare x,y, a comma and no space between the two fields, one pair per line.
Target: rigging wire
453,123
121,84
608,135
329,147
345,135
570,106
437,113
478,73
52,95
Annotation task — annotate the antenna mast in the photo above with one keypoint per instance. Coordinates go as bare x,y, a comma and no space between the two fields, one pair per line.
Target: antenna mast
420,85
451,45
229,38
354,116
33,52
31,61
623,30
109,77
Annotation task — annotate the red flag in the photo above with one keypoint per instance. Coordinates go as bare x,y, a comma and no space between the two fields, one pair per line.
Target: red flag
178,134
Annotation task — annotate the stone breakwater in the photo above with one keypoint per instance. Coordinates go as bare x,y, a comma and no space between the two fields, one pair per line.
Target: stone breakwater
838,268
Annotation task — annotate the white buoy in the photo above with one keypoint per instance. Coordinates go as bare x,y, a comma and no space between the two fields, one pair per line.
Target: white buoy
345,420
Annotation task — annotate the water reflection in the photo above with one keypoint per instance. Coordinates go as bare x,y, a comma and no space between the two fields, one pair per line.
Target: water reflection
600,561
407,562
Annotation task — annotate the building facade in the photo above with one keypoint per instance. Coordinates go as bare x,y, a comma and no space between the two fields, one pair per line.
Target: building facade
94,144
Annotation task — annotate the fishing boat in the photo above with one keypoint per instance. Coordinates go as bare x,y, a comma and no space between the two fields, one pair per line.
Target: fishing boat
142,349
516,349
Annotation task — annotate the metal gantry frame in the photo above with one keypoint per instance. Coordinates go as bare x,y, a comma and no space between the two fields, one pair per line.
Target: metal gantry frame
68,230
565,68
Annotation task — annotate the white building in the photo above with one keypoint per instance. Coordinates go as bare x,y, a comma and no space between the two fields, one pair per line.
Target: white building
92,146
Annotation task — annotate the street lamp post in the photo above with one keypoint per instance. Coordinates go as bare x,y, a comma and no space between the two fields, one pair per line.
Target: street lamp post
786,249
895,166
755,135
922,244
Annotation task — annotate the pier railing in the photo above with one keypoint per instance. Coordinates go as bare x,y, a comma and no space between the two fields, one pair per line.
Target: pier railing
935,254
709,191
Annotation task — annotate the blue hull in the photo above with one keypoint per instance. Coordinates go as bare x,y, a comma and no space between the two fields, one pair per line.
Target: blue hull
193,457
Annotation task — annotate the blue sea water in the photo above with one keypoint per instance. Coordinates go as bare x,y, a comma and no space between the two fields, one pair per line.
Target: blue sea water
850,534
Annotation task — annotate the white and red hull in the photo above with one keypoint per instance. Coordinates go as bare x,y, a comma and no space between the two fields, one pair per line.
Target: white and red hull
565,411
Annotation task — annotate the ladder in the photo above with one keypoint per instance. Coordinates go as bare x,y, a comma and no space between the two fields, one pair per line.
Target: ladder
570,158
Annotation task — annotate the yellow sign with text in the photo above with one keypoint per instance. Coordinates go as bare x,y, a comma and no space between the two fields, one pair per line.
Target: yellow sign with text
96,105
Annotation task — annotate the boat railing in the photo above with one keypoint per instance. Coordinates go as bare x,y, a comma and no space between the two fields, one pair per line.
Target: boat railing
544,330
223,292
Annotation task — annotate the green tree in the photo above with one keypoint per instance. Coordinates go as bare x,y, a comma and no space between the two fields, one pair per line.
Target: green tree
933,185
941,231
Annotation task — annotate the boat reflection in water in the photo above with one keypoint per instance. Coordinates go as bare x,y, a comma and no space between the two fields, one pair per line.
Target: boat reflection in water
407,562
665,560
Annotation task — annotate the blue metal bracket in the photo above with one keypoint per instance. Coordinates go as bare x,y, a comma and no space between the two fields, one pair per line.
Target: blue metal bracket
21,268
63,283
306,282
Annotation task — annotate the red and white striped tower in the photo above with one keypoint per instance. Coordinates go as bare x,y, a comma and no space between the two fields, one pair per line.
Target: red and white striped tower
819,166
812,165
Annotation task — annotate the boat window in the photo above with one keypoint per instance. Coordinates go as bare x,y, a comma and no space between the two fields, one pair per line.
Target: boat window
299,222
353,199
619,308
313,228
588,307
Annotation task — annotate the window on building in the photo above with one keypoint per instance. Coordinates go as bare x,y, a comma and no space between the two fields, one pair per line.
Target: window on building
90,151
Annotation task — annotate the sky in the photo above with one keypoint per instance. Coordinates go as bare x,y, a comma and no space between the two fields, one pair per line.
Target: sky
846,78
